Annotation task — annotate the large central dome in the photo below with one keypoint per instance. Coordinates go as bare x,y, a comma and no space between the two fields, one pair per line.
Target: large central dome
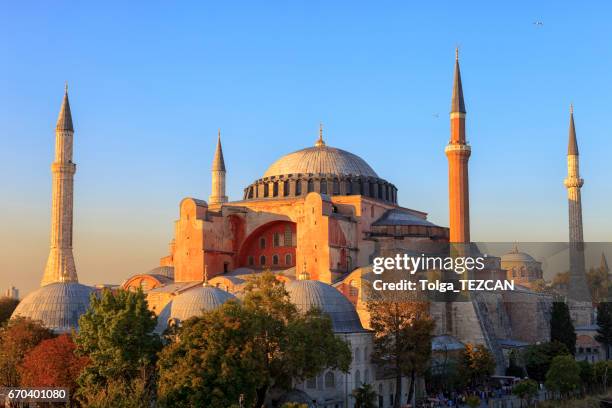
321,169
320,159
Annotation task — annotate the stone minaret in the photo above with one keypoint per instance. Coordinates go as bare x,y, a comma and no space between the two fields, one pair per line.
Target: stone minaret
578,289
458,153
574,183
60,264
218,196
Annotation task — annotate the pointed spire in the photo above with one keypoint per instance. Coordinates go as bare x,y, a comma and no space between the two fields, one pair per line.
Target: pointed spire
572,146
603,266
218,161
320,142
64,120
457,104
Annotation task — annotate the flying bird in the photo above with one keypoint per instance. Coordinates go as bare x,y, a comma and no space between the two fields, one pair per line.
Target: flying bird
538,23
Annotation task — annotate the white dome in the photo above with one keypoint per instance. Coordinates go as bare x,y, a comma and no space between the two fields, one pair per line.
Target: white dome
320,160
57,305
312,294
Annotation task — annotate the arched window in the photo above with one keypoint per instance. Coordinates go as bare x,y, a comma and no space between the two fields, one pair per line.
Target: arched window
262,243
357,379
275,189
251,261
262,260
274,259
287,237
336,187
349,187
323,186
366,377
288,260
286,188
298,187
266,189
357,355
372,211
330,380
276,240
380,191
310,185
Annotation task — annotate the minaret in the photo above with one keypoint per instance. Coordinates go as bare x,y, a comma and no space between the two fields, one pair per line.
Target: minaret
218,196
60,264
574,183
458,153
578,289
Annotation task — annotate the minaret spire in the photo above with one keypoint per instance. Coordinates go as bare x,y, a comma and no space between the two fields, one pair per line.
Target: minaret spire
457,104
578,289
458,153
60,264
218,196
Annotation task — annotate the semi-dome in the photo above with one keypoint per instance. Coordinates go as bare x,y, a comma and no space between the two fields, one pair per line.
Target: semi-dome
321,160
57,305
312,294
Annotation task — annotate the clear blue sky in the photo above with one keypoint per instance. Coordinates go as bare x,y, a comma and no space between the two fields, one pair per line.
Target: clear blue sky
150,83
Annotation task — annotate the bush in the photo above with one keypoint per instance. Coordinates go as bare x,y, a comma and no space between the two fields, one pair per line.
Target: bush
563,375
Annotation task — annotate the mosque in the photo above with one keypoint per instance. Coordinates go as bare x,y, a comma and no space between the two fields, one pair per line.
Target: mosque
317,217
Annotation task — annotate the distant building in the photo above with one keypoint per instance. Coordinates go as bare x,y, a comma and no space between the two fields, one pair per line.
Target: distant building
12,293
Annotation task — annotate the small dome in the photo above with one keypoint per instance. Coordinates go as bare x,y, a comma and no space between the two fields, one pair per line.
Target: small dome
311,294
516,256
320,159
57,305
167,271
197,300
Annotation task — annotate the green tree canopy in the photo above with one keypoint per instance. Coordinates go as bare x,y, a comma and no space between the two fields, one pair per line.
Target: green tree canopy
526,390
561,326
365,396
604,323
563,375
116,334
539,356
247,348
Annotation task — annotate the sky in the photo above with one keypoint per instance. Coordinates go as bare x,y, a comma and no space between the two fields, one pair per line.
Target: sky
151,82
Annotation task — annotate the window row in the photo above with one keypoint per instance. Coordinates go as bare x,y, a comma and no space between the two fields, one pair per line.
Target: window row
275,260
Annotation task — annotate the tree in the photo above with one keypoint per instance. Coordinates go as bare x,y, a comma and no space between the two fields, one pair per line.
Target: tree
17,338
604,323
539,357
52,363
602,370
365,396
526,390
561,326
248,348
563,375
472,401
403,331
116,333
587,375
7,307
477,363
